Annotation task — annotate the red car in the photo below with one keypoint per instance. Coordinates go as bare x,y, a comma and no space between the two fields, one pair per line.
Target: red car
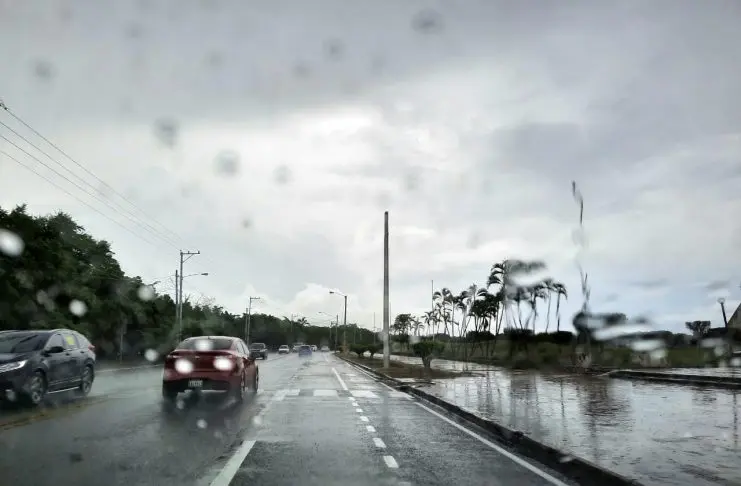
210,363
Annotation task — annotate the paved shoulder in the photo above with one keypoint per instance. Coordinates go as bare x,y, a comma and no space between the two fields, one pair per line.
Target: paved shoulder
336,425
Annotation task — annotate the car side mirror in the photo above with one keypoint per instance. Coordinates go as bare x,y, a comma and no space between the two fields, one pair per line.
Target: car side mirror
55,350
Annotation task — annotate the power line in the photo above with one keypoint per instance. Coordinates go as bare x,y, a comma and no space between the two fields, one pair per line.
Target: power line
101,181
75,197
106,201
78,186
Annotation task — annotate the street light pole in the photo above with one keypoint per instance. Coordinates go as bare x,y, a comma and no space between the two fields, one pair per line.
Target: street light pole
184,257
249,319
344,321
386,349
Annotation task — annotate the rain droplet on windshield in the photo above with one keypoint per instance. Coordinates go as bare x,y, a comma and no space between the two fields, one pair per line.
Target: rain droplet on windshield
282,174
43,70
145,293
428,21
227,163
166,131
10,243
78,307
334,49
151,355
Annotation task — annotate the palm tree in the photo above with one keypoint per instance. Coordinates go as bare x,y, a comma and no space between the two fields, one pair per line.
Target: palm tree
444,298
548,287
559,289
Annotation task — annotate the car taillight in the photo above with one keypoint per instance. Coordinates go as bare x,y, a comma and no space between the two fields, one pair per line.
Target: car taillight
90,347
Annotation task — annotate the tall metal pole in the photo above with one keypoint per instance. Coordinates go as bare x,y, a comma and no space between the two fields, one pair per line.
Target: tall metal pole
249,320
177,303
344,328
386,350
184,257
336,330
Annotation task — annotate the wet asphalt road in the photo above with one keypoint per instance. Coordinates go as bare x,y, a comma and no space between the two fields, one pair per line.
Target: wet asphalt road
315,421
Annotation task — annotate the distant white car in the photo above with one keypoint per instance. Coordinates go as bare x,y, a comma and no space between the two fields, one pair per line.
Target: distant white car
313,347
284,349
325,349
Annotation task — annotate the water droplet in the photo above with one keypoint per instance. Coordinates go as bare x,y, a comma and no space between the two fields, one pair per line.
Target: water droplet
145,293
78,307
427,21
180,404
257,420
201,424
411,181
227,163
246,223
183,366
166,131
43,70
151,355
334,49
736,362
301,70
282,174
10,243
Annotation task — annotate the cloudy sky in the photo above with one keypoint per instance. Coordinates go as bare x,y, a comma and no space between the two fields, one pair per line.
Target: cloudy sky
272,135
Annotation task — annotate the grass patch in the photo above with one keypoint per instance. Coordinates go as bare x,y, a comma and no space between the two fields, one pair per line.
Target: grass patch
397,369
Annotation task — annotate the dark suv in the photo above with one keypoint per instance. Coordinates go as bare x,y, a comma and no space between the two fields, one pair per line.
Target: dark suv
33,363
259,350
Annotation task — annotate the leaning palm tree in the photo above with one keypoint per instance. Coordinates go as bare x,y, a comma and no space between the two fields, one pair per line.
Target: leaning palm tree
559,289
548,287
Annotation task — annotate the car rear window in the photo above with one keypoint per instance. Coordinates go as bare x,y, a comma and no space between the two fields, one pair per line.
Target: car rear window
305,347
257,346
206,344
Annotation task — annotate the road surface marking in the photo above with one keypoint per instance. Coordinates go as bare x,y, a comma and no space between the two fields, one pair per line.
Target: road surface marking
293,392
391,462
500,450
359,410
379,443
339,378
325,393
363,418
279,396
370,429
233,464
352,399
363,394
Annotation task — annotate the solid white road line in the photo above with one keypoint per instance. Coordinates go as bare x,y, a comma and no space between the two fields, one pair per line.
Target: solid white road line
359,410
500,450
232,466
339,378
379,443
391,462
370,429
363,418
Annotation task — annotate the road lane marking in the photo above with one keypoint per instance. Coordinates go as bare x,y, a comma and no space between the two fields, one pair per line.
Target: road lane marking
370,429
359,410
363,394
339,378
325,393
391,462
497,448
379,443
293,392
279,396
233,464
363,418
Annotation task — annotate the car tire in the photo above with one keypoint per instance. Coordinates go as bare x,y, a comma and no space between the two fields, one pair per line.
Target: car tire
238,391
255,383
35,389
86,382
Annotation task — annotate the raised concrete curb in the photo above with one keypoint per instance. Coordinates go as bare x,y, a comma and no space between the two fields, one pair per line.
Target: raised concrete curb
579,470
728,382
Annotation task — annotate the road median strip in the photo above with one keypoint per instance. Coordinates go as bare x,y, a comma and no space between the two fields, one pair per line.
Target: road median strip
574,468
29,417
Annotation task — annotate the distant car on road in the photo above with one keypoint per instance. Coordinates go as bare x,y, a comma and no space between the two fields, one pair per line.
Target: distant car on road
284,349
325,349
313,348
304,350
34,363
259,350
210,364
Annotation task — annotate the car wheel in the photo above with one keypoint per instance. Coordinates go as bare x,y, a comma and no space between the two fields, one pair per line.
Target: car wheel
35,389
86,383
255,382
239,390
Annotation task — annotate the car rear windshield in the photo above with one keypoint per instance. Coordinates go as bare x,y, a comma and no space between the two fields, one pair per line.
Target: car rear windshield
206,344
21,342
305,348
257,346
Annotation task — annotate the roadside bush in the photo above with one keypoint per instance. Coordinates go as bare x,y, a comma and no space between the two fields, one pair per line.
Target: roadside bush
374,348
428,350
358,349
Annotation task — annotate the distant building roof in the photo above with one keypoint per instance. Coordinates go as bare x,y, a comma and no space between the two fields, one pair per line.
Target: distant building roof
735,320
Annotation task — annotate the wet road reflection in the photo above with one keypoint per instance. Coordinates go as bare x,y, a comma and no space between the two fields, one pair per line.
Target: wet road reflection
656,433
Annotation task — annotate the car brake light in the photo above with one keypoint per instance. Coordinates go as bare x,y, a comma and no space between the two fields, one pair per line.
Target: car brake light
91,347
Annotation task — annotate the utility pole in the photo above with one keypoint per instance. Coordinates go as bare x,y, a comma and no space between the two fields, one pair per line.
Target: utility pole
177,302
249,320
374,328
184,257
344,328
386,350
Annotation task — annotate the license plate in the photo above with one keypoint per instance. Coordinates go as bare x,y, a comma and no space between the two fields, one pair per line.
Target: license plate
195,383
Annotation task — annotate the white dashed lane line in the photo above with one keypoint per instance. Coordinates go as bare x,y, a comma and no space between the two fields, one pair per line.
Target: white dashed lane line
363,418
379,443
391,462
359,410
370,429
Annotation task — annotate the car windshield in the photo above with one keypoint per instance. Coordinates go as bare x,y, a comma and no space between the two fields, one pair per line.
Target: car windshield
257,346
20,342
206,344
